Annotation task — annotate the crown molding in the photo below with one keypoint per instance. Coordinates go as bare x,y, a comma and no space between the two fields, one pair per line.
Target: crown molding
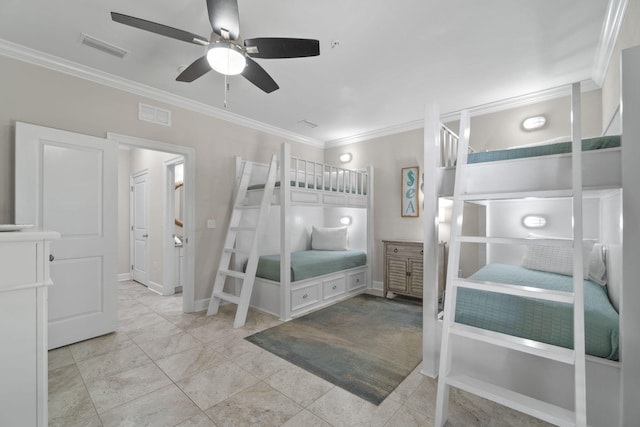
521,101
610,30
378,133
492,107
45,60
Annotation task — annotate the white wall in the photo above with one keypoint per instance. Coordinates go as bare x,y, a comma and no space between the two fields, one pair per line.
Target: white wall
388,155
124,250
500,130
504,219
41,96
629,36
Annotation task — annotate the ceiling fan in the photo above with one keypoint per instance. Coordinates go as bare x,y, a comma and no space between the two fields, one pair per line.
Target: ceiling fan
227,53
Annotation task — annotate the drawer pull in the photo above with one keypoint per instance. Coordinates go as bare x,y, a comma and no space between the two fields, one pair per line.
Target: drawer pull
51,258
357,280
395,250
334,287
305,296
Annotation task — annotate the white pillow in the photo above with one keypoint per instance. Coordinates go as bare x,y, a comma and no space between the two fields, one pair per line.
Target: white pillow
597,265
556,259
329,238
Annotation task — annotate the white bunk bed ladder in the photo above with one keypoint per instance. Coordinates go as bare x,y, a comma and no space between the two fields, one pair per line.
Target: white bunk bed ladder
247,277
534,407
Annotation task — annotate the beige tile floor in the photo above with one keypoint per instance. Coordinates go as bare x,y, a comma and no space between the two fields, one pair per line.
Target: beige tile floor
166,368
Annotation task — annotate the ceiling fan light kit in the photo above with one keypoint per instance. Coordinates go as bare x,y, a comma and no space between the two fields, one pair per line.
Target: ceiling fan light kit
225,55
226,58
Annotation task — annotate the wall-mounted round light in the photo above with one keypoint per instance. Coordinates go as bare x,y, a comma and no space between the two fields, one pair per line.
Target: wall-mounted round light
534,123
345,157
345,220
534,221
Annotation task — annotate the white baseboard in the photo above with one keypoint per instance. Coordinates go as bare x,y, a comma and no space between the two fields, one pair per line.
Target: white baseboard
378,286
123,277
155,287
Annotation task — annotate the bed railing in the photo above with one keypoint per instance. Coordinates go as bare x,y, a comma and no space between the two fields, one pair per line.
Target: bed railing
449,147
319,176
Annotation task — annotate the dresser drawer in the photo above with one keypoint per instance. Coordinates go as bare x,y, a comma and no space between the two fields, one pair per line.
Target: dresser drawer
404,250
304,296
356,280
18,264
333,287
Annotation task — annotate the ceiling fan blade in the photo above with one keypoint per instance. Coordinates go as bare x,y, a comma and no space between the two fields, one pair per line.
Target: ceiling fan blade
274,47
163,30
223,15
259,77
197,69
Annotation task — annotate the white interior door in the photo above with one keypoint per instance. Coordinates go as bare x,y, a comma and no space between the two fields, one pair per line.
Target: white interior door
67,182
140,227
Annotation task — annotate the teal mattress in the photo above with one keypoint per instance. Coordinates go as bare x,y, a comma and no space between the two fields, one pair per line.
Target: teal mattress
307,264
544,321
543,150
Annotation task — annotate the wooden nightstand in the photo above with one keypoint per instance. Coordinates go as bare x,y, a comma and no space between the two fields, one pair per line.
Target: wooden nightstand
403,267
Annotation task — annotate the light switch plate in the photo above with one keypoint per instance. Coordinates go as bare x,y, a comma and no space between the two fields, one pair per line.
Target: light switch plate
211,223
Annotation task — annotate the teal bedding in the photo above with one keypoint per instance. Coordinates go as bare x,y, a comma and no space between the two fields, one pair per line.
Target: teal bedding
307,264
544,321
543,150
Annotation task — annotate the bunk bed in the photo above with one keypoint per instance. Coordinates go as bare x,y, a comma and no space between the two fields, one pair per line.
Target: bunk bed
308,259
538,171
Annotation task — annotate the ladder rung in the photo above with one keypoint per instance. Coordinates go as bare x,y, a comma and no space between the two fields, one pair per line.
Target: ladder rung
524,345
231,273
227,297
242,228
517,290
234,251
515,241
534,407
517,195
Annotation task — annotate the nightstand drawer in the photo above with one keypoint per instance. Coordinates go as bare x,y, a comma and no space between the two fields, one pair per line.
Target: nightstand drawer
405,250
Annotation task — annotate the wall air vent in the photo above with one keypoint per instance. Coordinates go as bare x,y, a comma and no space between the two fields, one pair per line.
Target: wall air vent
103,46
152,114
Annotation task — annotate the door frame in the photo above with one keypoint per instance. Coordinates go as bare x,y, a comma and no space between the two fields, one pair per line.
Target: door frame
168,247
188,154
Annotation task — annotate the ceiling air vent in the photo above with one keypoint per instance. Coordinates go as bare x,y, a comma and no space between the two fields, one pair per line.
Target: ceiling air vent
308,124
152,114
103,46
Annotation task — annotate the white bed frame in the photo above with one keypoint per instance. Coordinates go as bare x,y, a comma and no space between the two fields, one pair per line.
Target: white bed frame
612,387
294,210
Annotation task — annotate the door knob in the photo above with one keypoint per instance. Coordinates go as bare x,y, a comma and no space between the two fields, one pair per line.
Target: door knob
145,235
51,257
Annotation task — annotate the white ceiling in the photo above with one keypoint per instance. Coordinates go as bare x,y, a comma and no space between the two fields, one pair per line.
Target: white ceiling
391,56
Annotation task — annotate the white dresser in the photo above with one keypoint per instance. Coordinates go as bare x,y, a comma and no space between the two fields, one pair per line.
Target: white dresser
24,278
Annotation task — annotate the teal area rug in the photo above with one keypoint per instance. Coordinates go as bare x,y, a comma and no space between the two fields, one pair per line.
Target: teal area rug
366,345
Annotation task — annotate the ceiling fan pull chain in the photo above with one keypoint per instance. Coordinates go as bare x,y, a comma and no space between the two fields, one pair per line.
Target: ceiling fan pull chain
226,88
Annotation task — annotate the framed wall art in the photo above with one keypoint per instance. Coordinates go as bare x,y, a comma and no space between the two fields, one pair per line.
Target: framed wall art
410,190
